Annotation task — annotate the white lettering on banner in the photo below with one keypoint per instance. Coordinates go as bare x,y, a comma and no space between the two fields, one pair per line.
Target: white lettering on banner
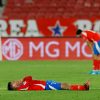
12,49
97,26
3,28
32,47
16,26
78,49
56,51
88,25
44,49
72,48
84,51
83,24
32,30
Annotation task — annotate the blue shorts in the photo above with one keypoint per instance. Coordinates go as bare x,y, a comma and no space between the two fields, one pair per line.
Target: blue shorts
96,48
52,85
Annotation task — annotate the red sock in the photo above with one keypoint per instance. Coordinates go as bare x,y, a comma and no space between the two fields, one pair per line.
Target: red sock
96,64
77,87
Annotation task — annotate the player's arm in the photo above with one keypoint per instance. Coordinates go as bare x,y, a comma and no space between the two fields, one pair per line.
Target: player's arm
25,84
27,78
90,44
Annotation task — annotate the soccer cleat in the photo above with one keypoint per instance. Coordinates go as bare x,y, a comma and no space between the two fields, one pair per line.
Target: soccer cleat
87,85
98,72
93,72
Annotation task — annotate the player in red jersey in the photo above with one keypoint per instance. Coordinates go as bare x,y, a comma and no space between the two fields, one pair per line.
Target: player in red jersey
93,40
27,83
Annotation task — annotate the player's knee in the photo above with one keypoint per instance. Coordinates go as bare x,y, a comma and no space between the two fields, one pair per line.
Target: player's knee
65,86
96,57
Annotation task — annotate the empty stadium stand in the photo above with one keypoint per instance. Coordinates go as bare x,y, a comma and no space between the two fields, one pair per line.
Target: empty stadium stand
52,8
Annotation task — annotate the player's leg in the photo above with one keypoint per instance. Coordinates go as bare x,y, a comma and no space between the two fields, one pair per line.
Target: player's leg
66,86
53,85
96,58
96,63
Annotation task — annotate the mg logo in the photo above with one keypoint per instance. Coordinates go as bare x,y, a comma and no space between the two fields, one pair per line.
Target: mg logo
12,49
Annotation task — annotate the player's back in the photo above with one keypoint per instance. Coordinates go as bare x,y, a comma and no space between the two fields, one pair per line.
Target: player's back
37,85
91,35
38,82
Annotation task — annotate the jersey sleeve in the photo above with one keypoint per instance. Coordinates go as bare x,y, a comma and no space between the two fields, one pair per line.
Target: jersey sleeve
84,35
27,78
25,84
37,87
90,35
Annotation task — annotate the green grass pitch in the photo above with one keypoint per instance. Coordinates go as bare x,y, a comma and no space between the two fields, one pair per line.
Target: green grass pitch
62,71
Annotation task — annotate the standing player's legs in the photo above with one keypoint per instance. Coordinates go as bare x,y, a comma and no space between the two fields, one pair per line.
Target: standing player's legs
96,58
52,85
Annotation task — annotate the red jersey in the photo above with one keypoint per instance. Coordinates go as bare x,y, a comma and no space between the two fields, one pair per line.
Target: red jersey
90,35
29,84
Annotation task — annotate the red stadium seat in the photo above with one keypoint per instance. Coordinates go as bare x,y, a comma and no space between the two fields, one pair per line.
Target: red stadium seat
52,8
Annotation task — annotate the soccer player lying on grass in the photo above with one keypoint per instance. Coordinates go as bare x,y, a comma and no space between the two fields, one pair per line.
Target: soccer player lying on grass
27,83
93,40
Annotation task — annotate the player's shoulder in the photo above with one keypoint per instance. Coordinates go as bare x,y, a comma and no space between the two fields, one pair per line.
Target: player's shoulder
89,31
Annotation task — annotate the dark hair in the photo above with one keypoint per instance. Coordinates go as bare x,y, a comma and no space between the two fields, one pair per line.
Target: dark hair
78,32
10,86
